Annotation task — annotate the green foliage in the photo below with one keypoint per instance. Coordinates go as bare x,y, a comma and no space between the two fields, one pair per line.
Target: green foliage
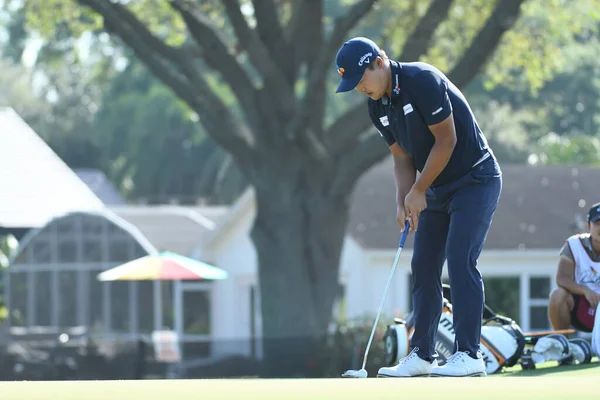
528,55
15,91
575,150
455,34
49,16
153,147
532,52
505,128
556,125
8,247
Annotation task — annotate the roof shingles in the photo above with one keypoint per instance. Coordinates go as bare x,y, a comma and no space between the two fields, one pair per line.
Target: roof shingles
539,206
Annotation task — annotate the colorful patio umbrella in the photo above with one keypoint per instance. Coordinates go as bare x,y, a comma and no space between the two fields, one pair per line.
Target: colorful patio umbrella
163,266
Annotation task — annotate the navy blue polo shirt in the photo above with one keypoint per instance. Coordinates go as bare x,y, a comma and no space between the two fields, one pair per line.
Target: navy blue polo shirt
422,96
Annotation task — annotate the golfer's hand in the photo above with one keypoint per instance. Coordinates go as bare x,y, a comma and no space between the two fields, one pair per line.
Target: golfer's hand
592,297
401,217
414,204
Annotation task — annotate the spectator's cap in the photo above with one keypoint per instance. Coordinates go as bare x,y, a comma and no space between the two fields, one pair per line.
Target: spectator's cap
594,213
352,59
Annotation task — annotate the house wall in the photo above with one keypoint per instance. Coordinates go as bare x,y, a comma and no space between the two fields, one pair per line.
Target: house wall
234,252
524,264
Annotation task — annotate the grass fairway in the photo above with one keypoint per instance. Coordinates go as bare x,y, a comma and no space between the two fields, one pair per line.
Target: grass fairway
579,383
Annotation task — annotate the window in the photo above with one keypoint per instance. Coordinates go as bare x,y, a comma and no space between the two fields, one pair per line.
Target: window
502,295
539,287
66,227
145,304
196,312
114,230
40,251
67,298
539,318
92,250
43,298
22,258
92,226
78,248
167,288
18,298
119,250
119,306
138,251
67,251
95,302
539,292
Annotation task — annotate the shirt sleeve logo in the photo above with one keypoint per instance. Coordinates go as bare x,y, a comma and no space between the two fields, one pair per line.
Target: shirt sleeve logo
384,120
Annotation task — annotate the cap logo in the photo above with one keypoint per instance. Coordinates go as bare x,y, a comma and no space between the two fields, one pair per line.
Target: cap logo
341,71
365,59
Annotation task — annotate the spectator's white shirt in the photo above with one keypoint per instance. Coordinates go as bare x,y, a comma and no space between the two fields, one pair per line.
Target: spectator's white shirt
587,271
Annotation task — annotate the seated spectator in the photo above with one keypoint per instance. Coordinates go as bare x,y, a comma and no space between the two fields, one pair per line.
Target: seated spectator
574,302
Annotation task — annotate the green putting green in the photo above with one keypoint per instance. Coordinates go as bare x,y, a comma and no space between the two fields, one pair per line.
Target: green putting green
573,382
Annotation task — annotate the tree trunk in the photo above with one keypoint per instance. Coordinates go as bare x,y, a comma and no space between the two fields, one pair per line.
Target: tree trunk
298,233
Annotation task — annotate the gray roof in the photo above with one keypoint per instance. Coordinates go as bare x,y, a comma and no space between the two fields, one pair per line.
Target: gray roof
36,184
101,186
179,229
539,206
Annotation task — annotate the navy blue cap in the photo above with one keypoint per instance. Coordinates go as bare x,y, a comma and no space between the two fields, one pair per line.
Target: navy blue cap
352,59
594,213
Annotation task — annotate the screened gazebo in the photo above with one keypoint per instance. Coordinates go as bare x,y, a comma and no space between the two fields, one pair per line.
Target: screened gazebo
52,280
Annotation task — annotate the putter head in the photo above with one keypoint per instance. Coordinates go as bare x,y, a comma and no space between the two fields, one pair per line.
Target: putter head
351,373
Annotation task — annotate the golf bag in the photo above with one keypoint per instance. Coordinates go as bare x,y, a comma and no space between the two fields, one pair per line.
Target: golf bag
503,344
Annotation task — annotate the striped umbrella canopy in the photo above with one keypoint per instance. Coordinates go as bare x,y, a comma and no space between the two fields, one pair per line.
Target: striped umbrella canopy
163,266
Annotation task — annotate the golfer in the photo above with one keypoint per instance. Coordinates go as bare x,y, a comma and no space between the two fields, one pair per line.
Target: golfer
430,128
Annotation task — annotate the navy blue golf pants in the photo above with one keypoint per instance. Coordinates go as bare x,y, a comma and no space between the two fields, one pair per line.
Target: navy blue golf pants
453,228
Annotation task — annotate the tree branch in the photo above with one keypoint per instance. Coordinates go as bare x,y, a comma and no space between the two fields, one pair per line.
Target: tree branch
370,149
348,127
341,28
290,32
154,52
217,56
418,42
304,35
270,30
502,19
262,59
315,96
194,90
267,22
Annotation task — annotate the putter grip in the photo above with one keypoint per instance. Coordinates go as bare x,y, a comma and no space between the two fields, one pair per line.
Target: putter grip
404,234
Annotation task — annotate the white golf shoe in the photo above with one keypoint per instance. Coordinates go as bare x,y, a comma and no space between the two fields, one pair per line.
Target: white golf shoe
460,364
410,366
